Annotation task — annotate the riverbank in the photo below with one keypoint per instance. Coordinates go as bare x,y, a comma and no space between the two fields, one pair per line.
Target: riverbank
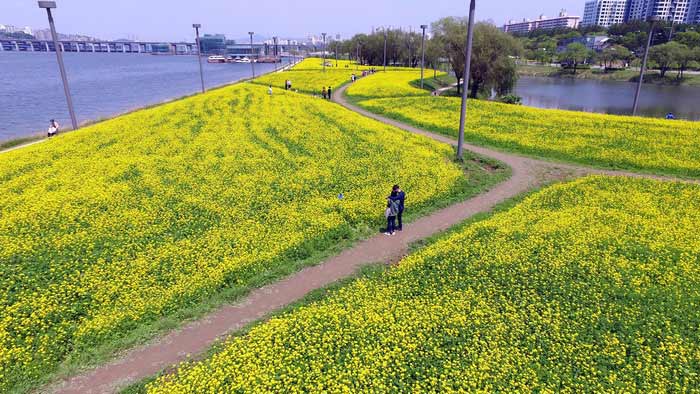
629,75
36,136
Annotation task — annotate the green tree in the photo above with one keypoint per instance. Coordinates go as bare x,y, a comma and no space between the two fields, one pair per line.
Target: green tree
616,53
576,54
684,57
493,57
666,56
691,39
493,61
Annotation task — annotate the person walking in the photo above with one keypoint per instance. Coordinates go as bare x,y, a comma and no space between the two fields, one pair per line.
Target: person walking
286,84
400,196
290,84
53,128
269,90
392,210
330,93
324,93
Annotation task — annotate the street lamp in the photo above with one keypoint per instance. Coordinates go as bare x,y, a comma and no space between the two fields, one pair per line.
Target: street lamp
252,60
467,74
422,62
196,27
48,5
324,51
337,40
385,36
274,42
653,21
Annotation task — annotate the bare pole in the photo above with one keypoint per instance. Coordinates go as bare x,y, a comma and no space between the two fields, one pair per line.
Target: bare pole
467,74
385,37
199,55
324,51
48,5
638,92
252,58
422,62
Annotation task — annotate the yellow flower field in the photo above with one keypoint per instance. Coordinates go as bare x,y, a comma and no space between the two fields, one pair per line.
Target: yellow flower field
635,143
311,82
390,84
316,63
134,218
588,286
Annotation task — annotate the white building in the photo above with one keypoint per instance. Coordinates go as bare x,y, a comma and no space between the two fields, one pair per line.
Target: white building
676,11
543,23
604,12
15,29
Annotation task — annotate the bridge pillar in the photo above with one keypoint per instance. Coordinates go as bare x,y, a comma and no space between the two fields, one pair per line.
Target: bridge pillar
16,46
109,50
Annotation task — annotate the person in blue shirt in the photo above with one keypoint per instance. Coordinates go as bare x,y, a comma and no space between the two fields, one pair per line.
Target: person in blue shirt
399,195
670,116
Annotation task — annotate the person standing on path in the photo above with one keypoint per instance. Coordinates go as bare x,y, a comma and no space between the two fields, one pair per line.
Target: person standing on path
400,196
392,210
53,128
330,90
324,93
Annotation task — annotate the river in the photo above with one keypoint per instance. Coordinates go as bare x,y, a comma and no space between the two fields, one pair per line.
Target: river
609,97
102,85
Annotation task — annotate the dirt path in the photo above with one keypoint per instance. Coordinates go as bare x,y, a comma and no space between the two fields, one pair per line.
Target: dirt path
196,337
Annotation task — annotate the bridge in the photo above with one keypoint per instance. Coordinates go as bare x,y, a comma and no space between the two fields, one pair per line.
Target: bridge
173,48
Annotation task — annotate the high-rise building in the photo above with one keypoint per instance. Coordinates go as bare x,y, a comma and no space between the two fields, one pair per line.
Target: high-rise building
543,23
604,12
676,11
694,12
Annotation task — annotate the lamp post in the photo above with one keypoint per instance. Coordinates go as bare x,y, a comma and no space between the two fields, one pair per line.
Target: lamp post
196,27
337,40
635,106
422,61
48,5
467,74
274,42
324,51
385,37
252,59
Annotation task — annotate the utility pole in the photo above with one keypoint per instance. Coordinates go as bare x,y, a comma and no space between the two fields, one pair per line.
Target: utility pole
638,92
422,62
467,74
337,40
385,37
274,41
252,58
48,5
197,26
324,51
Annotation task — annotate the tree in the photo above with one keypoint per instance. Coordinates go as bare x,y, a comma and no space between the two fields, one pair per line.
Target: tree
576,54
666,56
691,39
493,63
684,56
616,53
450,33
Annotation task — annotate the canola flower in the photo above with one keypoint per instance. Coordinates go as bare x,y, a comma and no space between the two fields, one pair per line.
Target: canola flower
316,64
634,143
311,82
390,84
134,218
588,286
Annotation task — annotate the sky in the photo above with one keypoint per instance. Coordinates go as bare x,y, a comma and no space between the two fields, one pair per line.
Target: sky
160,20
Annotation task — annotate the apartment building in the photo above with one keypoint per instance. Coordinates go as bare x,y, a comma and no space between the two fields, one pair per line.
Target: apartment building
543,23
604,12
676,11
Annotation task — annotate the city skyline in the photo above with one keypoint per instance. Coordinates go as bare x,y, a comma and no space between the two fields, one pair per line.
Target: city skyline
171,21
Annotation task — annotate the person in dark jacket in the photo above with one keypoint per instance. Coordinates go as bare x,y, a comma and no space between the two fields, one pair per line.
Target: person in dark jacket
330,90
392,210
400,196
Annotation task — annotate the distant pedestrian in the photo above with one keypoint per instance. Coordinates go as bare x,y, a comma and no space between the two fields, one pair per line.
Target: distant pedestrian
330,93
352,78
670,116
399,196
392,210
324,93
290,84
53,128
286,84
269,90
